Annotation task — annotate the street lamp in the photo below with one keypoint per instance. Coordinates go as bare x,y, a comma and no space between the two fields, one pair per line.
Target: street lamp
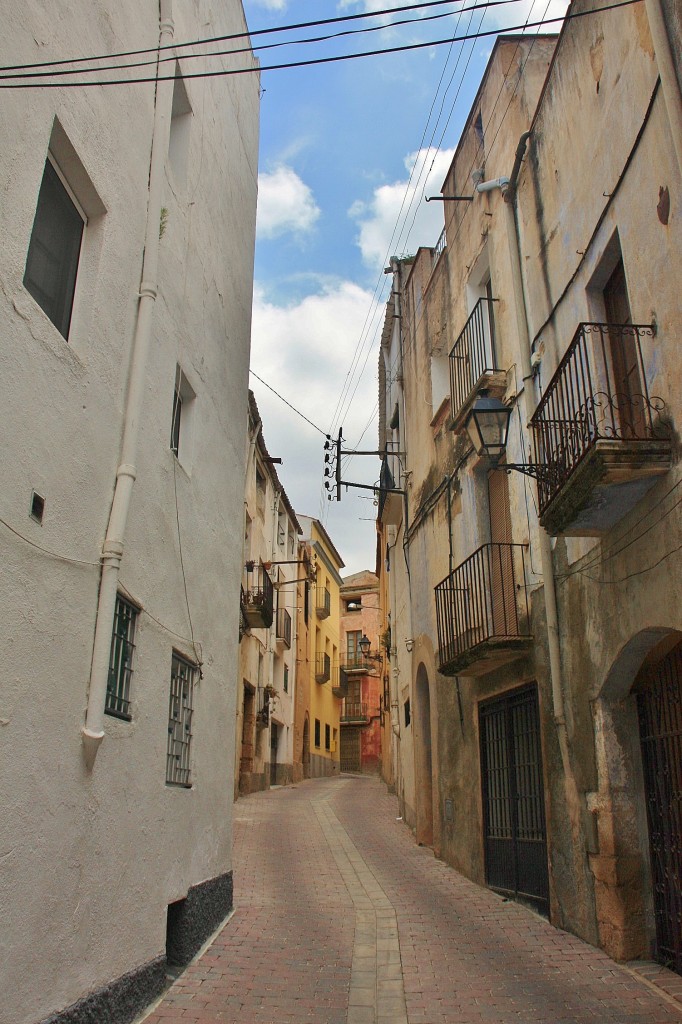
365,644
488,428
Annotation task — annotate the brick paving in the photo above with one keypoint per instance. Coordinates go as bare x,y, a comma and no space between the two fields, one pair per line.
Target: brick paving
340,918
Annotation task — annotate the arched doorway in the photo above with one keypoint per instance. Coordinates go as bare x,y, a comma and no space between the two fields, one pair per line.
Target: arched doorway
659,707
305,752
423,759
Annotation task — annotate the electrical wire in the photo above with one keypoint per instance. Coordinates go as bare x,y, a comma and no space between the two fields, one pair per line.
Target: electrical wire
174,46
293,407
46,551
316,61
6,76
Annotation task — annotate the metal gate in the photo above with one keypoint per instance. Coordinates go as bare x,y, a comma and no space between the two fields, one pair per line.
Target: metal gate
513,798
350,748
659,703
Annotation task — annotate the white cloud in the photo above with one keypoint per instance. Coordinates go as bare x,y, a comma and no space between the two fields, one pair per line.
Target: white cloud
404,203
285,204
271,5
304,350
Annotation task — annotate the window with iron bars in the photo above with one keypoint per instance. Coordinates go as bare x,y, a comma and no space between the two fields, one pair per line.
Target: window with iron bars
121,660
183,677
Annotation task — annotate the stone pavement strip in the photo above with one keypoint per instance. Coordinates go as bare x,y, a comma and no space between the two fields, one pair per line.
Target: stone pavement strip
340,918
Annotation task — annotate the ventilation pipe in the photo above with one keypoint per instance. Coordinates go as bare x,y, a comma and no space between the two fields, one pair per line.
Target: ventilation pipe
112,549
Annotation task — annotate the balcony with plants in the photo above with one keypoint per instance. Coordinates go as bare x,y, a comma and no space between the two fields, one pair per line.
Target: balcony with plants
257,602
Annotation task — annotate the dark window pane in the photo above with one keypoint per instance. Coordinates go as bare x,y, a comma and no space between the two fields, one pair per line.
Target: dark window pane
52,262
175,424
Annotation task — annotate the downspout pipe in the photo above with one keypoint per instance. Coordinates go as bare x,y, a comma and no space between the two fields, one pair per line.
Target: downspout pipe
666,69
112,549
575,805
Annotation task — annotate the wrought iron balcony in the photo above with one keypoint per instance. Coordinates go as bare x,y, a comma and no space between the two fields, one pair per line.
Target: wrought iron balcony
283,630
323,668
258,596
473,367
390,498
355,711
354,662
323,603
340,681
482,611
597,432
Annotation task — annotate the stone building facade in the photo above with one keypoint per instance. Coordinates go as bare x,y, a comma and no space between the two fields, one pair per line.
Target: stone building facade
267,682
543,601
127,272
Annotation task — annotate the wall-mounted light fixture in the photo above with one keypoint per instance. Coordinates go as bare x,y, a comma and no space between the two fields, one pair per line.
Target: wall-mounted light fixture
488,428
365,644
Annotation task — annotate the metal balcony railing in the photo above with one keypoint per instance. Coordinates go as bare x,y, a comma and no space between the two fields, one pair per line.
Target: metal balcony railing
599,392
354,711
483,599
258,596
283,631
323,603
323,668
354,662
473,354
439,247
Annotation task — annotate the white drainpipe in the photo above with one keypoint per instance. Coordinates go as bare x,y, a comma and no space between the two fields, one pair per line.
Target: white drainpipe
112,549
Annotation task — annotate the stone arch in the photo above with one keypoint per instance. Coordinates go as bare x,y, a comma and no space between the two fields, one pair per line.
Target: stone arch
621,867
423,755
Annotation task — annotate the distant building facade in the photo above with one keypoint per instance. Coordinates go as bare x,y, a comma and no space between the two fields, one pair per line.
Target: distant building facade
267,649
361,673
126,295
322,654
536,726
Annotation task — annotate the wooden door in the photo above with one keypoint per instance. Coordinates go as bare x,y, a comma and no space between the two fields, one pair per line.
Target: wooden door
627,387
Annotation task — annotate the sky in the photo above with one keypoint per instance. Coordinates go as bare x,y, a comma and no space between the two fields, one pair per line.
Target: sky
348,151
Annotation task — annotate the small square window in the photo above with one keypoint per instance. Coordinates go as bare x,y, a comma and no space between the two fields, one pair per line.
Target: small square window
54,250
178,767
317,732
121,660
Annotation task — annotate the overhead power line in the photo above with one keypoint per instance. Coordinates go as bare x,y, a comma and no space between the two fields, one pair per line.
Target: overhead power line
235,35
226,72
292,407
155,59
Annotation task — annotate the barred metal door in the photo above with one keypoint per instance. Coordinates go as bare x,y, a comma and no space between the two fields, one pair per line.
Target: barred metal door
513,799
350,749
659,703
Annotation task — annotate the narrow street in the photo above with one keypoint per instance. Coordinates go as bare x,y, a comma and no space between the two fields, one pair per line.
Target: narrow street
341,919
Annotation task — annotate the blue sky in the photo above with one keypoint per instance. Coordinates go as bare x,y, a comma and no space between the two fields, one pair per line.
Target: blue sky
338,143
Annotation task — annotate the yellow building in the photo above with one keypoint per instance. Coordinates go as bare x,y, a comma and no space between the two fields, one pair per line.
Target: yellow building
323,650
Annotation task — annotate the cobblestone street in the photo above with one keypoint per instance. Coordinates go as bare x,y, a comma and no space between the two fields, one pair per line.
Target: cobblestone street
340,918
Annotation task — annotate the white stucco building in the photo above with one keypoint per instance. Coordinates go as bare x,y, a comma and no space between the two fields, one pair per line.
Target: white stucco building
126,276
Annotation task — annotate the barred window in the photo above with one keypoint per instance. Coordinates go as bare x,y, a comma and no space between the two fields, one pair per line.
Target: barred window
121,660
183,676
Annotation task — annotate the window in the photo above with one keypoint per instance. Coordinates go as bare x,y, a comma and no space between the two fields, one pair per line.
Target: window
121,660
406,709
183,675
286,679
327,737
353,651
181,122
317,732
181,419
54,249
354,604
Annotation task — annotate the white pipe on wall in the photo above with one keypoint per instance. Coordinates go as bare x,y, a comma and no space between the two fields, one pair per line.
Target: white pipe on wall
112,549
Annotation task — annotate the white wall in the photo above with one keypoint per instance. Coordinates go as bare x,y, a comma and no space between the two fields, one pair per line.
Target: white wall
90,860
